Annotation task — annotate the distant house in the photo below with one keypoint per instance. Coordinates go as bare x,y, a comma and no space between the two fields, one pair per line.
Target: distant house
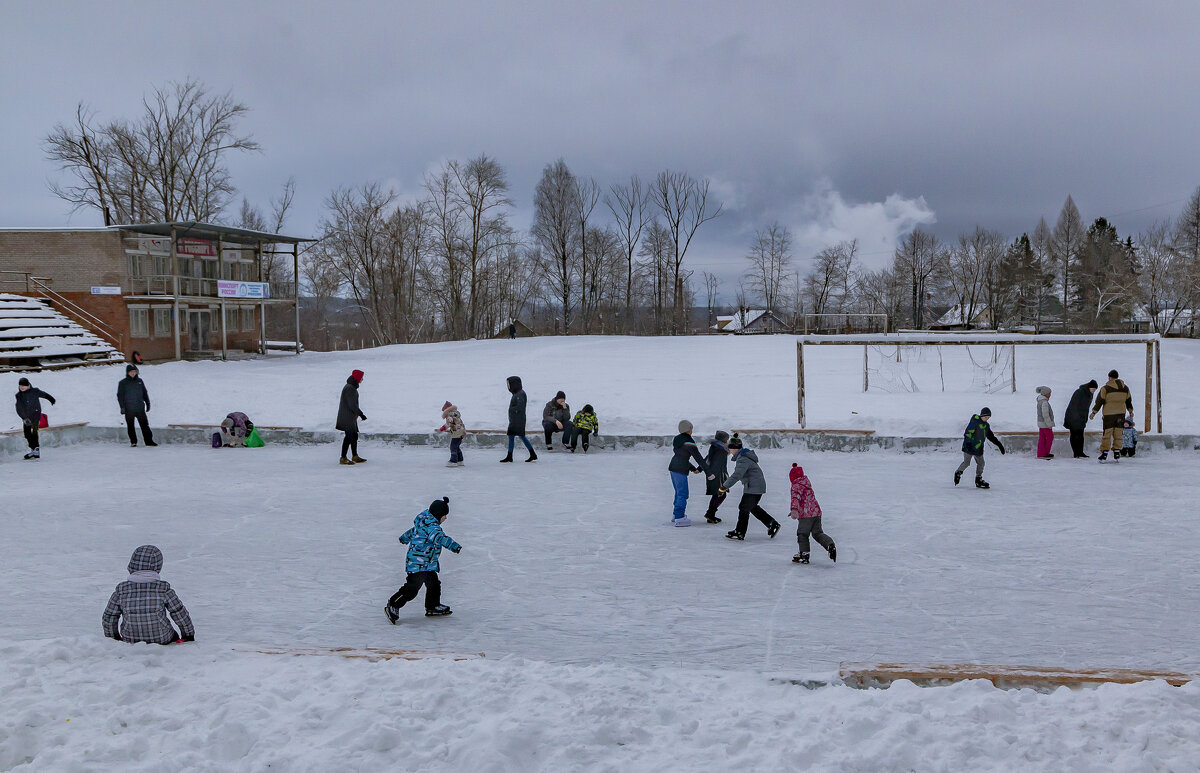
1171,322
958,318
507,328
750,321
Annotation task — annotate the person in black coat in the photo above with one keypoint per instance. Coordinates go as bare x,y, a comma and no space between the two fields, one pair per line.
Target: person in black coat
717,461
347,418
29,408
516,419
134,400
1076,417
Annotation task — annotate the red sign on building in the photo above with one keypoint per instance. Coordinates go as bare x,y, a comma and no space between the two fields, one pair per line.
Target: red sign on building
197,247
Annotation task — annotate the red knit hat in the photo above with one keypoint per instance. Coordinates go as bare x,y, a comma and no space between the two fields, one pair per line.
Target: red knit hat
357,375
797,471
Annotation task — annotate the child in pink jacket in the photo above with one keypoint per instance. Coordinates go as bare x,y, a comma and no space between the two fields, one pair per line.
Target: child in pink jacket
806,510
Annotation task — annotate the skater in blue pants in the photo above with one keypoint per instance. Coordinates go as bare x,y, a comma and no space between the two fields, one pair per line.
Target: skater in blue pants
684,448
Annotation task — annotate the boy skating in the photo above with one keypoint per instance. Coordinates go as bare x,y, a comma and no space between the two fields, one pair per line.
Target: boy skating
978,430
808,514
717,461
684,450
754,486
425,541
29,409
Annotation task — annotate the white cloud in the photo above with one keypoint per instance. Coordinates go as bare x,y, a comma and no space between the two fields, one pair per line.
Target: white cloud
825,218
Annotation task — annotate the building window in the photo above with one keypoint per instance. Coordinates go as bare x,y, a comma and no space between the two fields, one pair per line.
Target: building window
162,265
162,322
231,319
139,323
248,319
135,265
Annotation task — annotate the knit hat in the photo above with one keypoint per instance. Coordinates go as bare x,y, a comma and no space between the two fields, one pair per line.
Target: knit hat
588,408
722,436
446,405
735,441
985,411
23,382
685,427
796,472
1113,374
130,368
561,395
1092,384
440,508
357,375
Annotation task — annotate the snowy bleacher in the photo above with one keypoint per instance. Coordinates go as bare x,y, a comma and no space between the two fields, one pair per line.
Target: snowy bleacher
33,336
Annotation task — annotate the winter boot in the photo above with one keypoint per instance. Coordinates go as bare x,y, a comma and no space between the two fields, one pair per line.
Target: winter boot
981,483
711,518
773,529
737,535
344,460
392,614
1103,457
358,459
957,476
441,610
133,444
833,553
532,456
800,558
506,459
151,444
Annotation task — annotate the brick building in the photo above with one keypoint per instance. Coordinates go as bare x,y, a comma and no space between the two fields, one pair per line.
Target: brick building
166,290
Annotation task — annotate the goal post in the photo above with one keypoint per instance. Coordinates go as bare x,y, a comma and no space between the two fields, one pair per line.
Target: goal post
1152,342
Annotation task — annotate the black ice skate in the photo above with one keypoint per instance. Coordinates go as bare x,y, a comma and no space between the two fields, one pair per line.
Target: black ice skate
833,553
1103,457
981,483
957,476
392,614
800,558
1116,454
441,610
773,529
735,535
711,518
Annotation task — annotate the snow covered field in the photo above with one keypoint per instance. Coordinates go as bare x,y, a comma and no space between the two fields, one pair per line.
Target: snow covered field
638,385
612,641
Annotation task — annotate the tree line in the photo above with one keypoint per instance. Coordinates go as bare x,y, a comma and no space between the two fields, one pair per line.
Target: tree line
605,258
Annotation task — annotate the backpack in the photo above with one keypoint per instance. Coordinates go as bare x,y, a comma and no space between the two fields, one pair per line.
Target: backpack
216,440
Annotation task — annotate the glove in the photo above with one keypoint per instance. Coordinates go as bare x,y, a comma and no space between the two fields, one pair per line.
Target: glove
442,428
722,491
362,416
458,550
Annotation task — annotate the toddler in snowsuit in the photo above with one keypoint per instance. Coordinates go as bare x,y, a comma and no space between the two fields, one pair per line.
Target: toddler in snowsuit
754,486
1129,438
454,425
141,604
586,424
977,431
29,409
425,541
808,513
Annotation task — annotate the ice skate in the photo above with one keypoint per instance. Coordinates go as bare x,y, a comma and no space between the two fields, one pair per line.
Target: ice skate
736,535
37,453
392,614
773,529
1103,457
151,444
441,610
981,483
683,521
712,519
833,553
1116,454
957,476
800,558
344,460
29,455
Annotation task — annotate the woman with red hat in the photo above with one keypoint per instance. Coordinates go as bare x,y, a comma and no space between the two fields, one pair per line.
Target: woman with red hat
348,416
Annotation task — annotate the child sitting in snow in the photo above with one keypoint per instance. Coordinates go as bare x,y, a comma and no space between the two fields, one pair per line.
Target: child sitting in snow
454,425
806,510
143,601
586,424
425,541
1129,438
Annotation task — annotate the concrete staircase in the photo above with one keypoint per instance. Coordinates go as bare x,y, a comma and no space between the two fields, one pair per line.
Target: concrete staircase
34,336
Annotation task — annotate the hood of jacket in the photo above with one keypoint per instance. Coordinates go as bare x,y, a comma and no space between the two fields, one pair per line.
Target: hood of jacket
749,454
514,384
1043,391
449,410
147,558
350,381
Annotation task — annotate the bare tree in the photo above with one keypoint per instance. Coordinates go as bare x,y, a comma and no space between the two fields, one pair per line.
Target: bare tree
585,198
919,259
770,255
972,271
828,285
556,232
711,283
1166,283
655,266
1065,243
627,203
168,164
683,202
480,193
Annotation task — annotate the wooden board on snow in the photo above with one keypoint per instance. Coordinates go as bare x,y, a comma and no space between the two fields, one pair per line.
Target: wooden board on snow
367,654
809,431
1007,677
46,429
218,426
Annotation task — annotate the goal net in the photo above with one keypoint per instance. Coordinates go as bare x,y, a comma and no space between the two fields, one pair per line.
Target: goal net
982,369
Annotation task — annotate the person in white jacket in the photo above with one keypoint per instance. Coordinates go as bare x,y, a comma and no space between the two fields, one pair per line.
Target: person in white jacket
1045,422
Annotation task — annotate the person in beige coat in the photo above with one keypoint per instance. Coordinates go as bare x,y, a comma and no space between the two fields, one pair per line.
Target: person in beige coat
1114,401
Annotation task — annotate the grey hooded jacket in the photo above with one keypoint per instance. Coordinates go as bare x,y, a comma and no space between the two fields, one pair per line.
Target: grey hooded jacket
747,471
1045,414
142,602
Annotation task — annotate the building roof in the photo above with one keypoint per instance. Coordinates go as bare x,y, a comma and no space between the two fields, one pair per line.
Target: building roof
191,229
733,323
957,316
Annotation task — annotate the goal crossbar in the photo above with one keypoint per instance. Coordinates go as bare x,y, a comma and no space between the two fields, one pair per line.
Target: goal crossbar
1153,342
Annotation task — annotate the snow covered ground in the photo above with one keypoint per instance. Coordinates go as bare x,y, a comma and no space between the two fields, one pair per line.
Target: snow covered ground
612,641
638,385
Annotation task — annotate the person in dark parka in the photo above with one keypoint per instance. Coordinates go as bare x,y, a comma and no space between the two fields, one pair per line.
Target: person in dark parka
134,401
556,416
29,409
516,419
1076,417
348,416
717,461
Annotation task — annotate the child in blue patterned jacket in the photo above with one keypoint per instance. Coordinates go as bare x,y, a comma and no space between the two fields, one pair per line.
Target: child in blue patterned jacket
1129,438
425,541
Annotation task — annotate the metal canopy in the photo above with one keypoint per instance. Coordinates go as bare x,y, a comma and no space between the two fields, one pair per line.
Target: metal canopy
210,232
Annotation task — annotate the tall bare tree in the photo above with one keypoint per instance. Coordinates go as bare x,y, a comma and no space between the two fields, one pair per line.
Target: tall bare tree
682,200
627,203
170,163
919,259
481,192
770,256
556,232
585,199
1065,243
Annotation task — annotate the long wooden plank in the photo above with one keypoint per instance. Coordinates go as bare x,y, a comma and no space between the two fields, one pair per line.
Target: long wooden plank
367,654
807,431
47,429
218,426
883,674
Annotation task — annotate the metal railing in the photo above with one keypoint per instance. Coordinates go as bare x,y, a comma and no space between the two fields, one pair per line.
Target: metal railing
39,286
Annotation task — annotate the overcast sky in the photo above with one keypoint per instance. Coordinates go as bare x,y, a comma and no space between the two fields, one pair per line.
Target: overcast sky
839,119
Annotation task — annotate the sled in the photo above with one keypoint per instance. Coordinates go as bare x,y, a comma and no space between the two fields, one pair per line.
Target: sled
863,675
368,654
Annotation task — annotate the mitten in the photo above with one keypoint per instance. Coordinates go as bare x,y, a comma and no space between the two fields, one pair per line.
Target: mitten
442,428
362,416
458,550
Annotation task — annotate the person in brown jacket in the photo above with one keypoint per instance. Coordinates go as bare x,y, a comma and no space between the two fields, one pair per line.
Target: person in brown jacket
1115,400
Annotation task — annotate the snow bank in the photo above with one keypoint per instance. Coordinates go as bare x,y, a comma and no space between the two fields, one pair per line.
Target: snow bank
638,386
83,703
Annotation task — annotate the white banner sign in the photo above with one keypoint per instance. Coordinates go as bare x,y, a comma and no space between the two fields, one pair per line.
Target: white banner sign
232,289
106,290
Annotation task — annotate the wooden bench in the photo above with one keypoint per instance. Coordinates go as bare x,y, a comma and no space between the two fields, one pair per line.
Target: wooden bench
218,426
52,427
367,654
1005,677
860,432
1032,433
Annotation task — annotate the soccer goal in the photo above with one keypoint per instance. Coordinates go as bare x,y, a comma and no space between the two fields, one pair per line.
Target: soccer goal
983,363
